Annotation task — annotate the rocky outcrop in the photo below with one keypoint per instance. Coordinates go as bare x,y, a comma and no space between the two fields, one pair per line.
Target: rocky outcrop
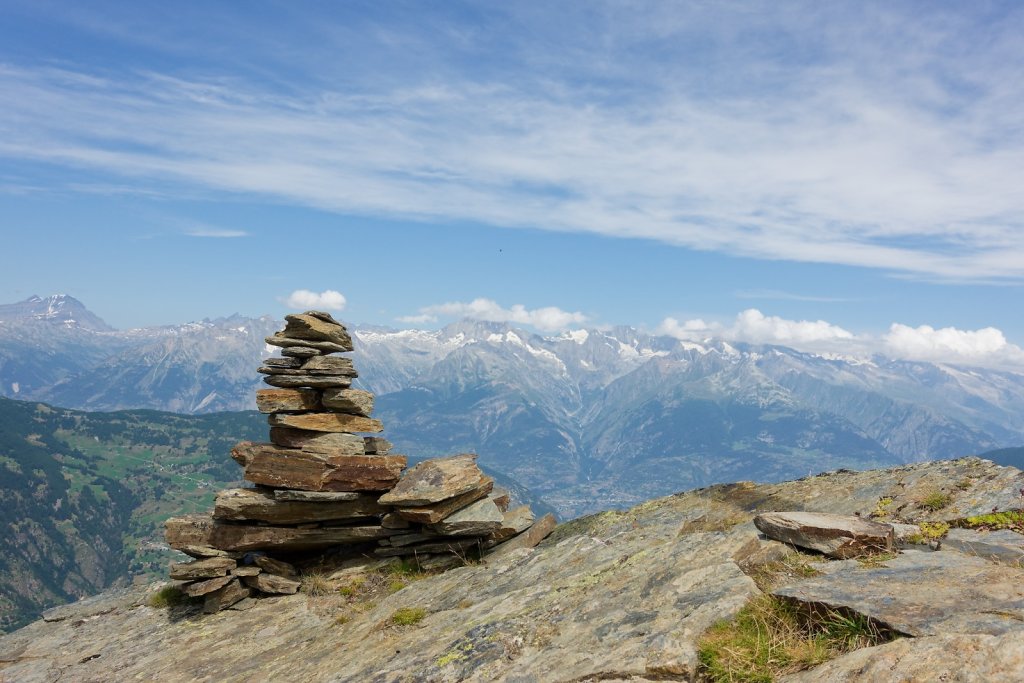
320,484
838,536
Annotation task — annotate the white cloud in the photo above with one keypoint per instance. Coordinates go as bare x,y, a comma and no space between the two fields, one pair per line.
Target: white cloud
328,299
950,344
987,346
420,319
216,232
547,319
891,142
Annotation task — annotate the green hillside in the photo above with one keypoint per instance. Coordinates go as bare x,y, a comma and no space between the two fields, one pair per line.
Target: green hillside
84,495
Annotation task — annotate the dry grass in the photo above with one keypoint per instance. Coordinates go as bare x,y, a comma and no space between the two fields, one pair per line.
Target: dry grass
936,500
316,584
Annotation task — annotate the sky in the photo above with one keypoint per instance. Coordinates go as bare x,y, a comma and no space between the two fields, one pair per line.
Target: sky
837,176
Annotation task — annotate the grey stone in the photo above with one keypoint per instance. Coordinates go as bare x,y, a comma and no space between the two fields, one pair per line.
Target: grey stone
435,480
331,443
354,401
272,583
318,496
225,596
1002,545
376,445
482,518
265,506
839,536
921,593
300,351
197,588
279,339
208,568
312,381
537,532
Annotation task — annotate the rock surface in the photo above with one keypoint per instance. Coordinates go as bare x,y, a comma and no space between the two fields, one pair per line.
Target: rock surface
265,506
435,480
278,400
1003,546
296,469
326,422
834,535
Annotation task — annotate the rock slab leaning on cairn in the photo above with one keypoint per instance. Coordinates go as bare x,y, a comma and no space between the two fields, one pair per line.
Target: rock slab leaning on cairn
320,482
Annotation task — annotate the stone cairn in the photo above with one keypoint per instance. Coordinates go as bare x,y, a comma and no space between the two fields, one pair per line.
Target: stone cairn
322,488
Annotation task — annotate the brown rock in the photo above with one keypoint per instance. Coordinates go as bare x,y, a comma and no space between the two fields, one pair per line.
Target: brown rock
283,468
276,567
300,351
448,545
376,445
225,597
326,422
196,530
209,568
513,523
432,514
242,451
282,362
482,518
529,538
271,583
284,400
316,326
249,570
333,443
353,401
435,480
285,342
839,536
203,552
316,382
262,505
318,496
197,588
502,499
329,365
393,521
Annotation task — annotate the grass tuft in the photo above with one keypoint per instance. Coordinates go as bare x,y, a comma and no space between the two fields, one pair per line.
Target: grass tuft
167,597
936,500
408,616
316,584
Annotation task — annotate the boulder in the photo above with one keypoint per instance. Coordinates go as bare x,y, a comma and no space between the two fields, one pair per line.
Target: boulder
537,532
271,583
435,480
265,506
284,400
326,422
333,443
209,568
482,518
224,597
839,536
284,468
352,401
920,593
430,514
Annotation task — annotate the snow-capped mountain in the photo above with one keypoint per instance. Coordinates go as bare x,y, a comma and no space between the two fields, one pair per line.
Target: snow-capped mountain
586,419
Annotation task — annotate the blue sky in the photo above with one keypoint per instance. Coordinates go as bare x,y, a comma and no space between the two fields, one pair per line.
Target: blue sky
832,175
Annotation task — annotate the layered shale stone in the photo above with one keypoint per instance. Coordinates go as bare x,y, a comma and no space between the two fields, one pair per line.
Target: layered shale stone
316,326
271,583
281,468
435,480
482,518
318,496
354,401
833,535
502,498
448,545
316,382
248,570
326,422
920,593
264,506
334,443
1003,546
286,342
376,445
209,568
276,567
285,400
431,514
282,362
528,539
194,590
329,365
243,537
225,597
513,523
300,351
392,520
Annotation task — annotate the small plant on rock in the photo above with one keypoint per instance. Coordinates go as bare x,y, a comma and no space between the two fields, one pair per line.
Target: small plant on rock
408,616
936,500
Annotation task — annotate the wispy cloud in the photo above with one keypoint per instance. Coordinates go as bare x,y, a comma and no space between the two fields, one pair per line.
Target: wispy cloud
547,318
878,137
215,232
780,295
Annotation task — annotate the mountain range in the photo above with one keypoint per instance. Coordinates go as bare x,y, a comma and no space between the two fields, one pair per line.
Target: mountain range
590,419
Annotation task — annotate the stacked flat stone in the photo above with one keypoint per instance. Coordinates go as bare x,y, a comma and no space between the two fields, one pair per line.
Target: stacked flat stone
319,485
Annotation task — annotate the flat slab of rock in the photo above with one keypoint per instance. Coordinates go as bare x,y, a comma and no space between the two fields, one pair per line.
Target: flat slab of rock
318,496
1003,546
314,381
284,400
197,588
921,593
453,546
376,445
513,523
326,422
200,530
316,326
295,469
332,443
435,480
482,518
226,596
271,583
209,568
839,536
322,347
276,567
329,365
301,351
353,401
954,657
540,530
264,506
431,514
